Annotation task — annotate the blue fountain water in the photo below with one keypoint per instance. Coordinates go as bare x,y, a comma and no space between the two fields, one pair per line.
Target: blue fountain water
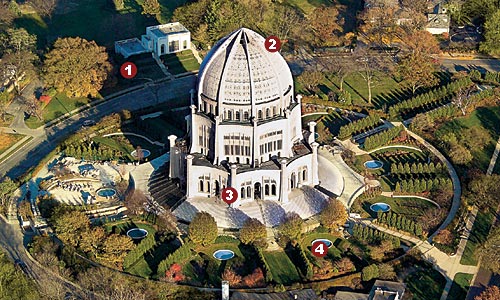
373,164
380,207
223,254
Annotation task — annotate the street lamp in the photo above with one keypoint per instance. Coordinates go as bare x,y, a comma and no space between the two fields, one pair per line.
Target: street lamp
153,86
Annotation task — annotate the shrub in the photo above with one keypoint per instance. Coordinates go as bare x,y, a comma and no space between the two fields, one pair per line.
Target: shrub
369,272
382,138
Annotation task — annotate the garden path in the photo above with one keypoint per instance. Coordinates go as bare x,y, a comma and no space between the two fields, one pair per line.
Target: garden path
493,160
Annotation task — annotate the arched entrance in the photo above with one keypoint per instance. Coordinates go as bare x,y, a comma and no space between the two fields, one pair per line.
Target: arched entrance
217,188
162,49
257,191
293,181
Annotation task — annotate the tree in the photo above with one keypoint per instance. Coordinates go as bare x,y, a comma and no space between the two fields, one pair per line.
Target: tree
119,4
344,265
460,155
369,66
6,14
310,79
115,248
369,272
334,214
253,230
7,188
340,66
386,272
463,98
483,190
291,226
326,25
15,285
421,122
44,7
71,226
231,276
93,241
417,71
33,107
377,253
16,40
151,7
19,65
444,237
491,293
135,201
283,20
489,251
77,66
475,137
491,44
166,221
174,274
379,24
24,209
203,229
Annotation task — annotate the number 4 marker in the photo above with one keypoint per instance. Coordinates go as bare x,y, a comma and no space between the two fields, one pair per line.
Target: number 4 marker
319,249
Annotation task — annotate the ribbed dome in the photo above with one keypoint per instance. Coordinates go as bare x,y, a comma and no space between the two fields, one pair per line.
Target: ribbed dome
239,70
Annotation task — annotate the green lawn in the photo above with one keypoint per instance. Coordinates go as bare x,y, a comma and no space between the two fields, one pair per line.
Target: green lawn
478,235
181,62
426,284
460,286
486,117
147,265
409,207
8,120
58,106
282,268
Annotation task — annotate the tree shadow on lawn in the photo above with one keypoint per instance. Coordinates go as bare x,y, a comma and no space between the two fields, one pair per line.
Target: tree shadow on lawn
489,118
159,253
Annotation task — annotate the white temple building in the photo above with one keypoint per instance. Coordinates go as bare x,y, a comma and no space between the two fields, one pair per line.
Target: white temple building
245,126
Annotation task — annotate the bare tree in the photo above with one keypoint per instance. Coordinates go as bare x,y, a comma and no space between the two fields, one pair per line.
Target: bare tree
44,7
339,66
369,66
135,202
33,107
463,99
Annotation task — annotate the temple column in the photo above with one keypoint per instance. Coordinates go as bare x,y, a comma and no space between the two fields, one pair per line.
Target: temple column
312,130
284,182
287,148
256,143
173,157
189,180
234,167
217,143
314,164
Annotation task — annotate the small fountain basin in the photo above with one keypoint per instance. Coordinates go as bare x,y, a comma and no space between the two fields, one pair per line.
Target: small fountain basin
380,207
223,254
137,233
327,242
145,153
373,164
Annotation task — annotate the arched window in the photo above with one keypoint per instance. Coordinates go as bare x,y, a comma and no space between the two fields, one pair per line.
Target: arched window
274,111
304,175
242,193
273,189
266,190
204,106
268,113
201,186
237,115
208,186
245,115
249,192
259,114
229,115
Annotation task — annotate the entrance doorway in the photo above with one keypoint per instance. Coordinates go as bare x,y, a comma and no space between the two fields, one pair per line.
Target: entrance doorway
257,191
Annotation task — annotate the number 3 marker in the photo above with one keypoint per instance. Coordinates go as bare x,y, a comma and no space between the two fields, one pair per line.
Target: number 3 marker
229,195
128,70
272,44
319,249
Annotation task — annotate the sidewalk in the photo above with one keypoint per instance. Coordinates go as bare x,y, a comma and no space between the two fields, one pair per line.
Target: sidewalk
494,158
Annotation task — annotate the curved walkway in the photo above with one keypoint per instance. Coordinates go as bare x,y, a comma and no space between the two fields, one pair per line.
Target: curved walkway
493,160
391,194
137,135
457,188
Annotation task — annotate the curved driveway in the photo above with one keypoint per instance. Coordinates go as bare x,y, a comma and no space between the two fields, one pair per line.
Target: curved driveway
43,144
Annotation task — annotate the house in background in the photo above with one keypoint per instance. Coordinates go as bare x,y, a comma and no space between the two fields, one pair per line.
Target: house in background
158,40
438,22
381,290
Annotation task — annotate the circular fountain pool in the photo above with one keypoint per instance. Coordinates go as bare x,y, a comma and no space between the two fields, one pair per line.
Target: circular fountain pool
380,207
137,233
373,164
327,242
145,153
223,254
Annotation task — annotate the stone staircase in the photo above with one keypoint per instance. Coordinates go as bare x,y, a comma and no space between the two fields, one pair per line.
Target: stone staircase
164,191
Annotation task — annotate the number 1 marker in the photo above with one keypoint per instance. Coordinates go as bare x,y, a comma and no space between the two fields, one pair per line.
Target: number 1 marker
128,70
229,195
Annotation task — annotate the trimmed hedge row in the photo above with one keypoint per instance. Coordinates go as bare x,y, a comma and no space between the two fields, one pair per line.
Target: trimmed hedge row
265,265
358,126
181,254
446,111
382,138
144,246
371,235
400,222
431,97
416,168
421,185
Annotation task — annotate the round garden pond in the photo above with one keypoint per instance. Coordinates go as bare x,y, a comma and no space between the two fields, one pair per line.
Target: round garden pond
373,164
327,242
380,207
106,192
223,254
137,233
145,153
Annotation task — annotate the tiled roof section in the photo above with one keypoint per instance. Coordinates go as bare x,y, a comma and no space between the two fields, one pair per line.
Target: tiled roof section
438,21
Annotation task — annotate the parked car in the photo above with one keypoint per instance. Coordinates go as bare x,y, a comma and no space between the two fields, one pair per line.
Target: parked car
88,123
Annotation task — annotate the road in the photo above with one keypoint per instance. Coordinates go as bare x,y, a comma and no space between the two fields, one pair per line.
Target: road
43,144
482,65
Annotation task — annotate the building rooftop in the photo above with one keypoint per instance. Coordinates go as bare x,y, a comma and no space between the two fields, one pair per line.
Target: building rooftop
341,295
438,21
387,290
307,294
166,29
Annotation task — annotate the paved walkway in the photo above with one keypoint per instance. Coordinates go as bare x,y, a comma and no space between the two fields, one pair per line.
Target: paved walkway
493,160
447,265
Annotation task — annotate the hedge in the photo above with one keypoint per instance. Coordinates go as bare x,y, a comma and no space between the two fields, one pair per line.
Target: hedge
382,138
265,265
178,256
400,222
421,185
358,126
144,246
416,168
371,235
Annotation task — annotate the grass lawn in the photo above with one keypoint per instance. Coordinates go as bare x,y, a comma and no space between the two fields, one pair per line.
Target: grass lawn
486,117
7,140
282,268
147,265
181,62
8,120
460,286
478,235
409,207
426,284
123,226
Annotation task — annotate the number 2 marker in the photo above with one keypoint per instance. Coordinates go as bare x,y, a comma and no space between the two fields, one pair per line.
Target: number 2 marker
272,44
229,195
